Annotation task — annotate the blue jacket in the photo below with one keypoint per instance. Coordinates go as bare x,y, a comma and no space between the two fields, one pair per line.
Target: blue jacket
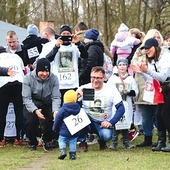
66,110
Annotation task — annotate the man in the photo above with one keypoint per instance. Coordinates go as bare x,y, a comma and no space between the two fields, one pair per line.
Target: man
41,97
68,77
102,123
10,91
15,48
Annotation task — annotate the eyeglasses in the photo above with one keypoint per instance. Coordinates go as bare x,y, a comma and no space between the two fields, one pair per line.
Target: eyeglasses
97,78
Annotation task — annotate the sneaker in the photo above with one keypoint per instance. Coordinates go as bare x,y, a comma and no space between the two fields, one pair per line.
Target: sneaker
39,144
16,142
63,154
32,147
2,143
92,139
102,144
133,134
47,146
54,143
83,147
127,145
72,155
113,145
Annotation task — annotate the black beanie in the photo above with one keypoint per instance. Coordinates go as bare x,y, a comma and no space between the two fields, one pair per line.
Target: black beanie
43,65
65,28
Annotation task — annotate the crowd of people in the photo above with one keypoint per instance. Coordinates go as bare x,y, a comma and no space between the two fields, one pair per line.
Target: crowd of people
44,77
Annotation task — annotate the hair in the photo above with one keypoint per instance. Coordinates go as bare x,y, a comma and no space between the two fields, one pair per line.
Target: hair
11,34
98,69
156,55
150,34
97,100
49,30
167,36
138,34
81,26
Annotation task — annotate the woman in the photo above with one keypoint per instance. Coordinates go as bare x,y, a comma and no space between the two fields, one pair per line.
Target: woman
148,110
157,66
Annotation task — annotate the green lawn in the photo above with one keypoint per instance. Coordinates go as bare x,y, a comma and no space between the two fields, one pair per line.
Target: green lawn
134,159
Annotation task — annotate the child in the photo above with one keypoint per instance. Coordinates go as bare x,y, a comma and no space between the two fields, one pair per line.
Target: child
127,87
122,45
70,107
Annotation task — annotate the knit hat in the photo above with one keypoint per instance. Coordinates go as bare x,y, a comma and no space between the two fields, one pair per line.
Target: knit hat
43,65
124,60
2,49
70,96
150,43
91,34
123,28
32,29
65,28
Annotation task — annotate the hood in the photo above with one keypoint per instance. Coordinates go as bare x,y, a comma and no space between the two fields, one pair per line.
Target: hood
121,36
30,41
97,42
72,108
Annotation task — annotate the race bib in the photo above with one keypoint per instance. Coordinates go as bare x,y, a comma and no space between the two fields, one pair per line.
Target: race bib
33,52
67,78
78,122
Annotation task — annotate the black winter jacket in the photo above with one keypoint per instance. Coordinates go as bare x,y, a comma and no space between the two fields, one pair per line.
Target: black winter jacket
95,51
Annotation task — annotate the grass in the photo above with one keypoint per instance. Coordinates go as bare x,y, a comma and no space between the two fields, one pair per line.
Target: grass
134,159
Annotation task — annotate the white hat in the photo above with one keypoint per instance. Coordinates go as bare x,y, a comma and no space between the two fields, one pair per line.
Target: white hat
123,28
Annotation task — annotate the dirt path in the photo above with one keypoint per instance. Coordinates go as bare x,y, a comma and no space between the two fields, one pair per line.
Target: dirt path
39,164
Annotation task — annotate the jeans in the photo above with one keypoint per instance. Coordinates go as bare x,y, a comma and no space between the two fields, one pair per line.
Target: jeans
148,118
62,141
104,134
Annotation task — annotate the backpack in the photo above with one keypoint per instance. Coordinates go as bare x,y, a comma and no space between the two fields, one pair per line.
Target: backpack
107,65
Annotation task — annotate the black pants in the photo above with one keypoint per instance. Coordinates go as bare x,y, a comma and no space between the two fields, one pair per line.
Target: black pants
163,114
11,92
33,122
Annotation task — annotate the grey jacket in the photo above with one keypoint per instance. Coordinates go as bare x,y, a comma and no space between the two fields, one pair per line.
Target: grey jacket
37,92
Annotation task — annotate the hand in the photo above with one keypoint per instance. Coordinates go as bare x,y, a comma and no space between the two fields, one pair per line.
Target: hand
79,92
39,114
106,124
54,114
59,42
75,38
135,68
143,67
11,72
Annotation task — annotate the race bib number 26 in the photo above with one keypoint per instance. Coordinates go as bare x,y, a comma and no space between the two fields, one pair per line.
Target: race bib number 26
78,122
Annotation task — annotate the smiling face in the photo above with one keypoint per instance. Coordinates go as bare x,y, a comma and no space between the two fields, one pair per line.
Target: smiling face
97,80
150,51
43,75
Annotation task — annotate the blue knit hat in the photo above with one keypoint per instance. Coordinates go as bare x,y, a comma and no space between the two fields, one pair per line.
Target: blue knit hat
124,60
91,34
32,29
123,28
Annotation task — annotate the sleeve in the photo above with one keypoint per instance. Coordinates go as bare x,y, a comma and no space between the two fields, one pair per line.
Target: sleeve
56,96
3,71
51,55
27,97
120,110
58,120
83,51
